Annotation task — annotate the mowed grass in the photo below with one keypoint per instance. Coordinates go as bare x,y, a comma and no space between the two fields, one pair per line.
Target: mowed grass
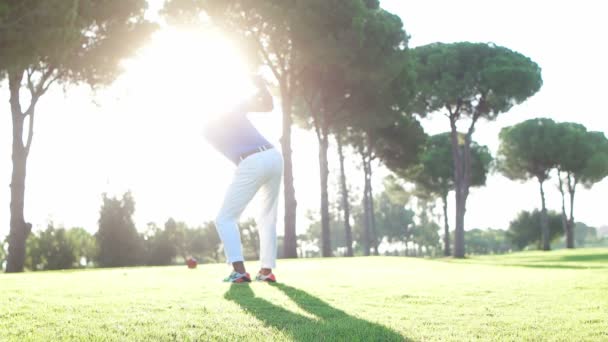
555,296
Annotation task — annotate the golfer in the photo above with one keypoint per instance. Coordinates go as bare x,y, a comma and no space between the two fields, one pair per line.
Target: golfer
259,169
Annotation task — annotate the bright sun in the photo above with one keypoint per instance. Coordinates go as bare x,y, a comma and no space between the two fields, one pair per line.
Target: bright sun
178,82
190,71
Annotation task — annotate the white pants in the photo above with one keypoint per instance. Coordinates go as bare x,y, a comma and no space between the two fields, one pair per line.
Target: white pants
260,171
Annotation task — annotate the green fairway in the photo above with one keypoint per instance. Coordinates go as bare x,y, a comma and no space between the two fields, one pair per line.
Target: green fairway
556,296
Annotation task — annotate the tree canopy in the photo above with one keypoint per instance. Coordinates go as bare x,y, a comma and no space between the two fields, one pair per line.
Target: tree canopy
530,150
349,59
473,79
487,241
582,159
582,154
434,172
470,81
117,238
394,221
70,41
524,229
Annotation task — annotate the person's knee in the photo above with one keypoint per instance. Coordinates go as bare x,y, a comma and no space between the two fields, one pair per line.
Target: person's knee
222,221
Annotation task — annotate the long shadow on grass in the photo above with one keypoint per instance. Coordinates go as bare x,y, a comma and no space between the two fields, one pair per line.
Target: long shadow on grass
329,323
596,258
562,266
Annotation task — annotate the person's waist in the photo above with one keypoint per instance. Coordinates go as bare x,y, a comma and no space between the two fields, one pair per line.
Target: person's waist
261,148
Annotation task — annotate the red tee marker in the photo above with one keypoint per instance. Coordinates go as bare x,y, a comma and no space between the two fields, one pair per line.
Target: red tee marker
191,262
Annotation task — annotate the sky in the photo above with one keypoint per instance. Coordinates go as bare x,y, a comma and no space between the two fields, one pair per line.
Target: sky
144,133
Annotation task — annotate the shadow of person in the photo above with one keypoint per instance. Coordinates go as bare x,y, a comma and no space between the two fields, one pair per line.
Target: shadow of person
328,324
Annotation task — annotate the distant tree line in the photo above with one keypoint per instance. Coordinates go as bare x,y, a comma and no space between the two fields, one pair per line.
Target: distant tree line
415,232
400,232
119,243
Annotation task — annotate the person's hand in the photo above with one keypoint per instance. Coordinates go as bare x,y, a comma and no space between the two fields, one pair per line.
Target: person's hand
262,101
259,81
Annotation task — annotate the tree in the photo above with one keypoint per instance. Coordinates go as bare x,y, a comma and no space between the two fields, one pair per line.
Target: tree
388,136
398,140
59,252
117,238
530,150
394,222
351,51
583,158
487,241
348,234
162,246
203,242
326,56
50,249
524,230
83,244
425,235
470,81
583,234
391,130
314,233
45,42
176,235
434,172
267,29
159,249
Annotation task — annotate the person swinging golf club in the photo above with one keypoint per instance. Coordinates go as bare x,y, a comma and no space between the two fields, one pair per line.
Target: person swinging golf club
259,169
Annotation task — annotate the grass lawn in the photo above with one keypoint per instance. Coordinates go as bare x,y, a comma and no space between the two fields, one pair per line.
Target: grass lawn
555,296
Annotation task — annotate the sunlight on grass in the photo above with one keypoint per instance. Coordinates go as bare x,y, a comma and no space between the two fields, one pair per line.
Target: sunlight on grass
579,258
356,299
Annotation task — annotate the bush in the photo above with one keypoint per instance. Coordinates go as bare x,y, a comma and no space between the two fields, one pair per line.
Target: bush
489,241
525,229
50,250
119,242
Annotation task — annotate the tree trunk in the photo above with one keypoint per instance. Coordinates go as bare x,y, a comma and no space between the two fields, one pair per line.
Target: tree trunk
544,224
373,236
570,225
19,229
565,222
446,226
324,170
366,213
461,190
372,216
345,203
290,248
369,235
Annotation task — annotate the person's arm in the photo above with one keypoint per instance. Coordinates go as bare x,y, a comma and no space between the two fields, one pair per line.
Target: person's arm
262,100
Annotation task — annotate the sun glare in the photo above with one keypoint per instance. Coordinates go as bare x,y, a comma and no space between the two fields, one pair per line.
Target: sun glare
178,82
191,71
